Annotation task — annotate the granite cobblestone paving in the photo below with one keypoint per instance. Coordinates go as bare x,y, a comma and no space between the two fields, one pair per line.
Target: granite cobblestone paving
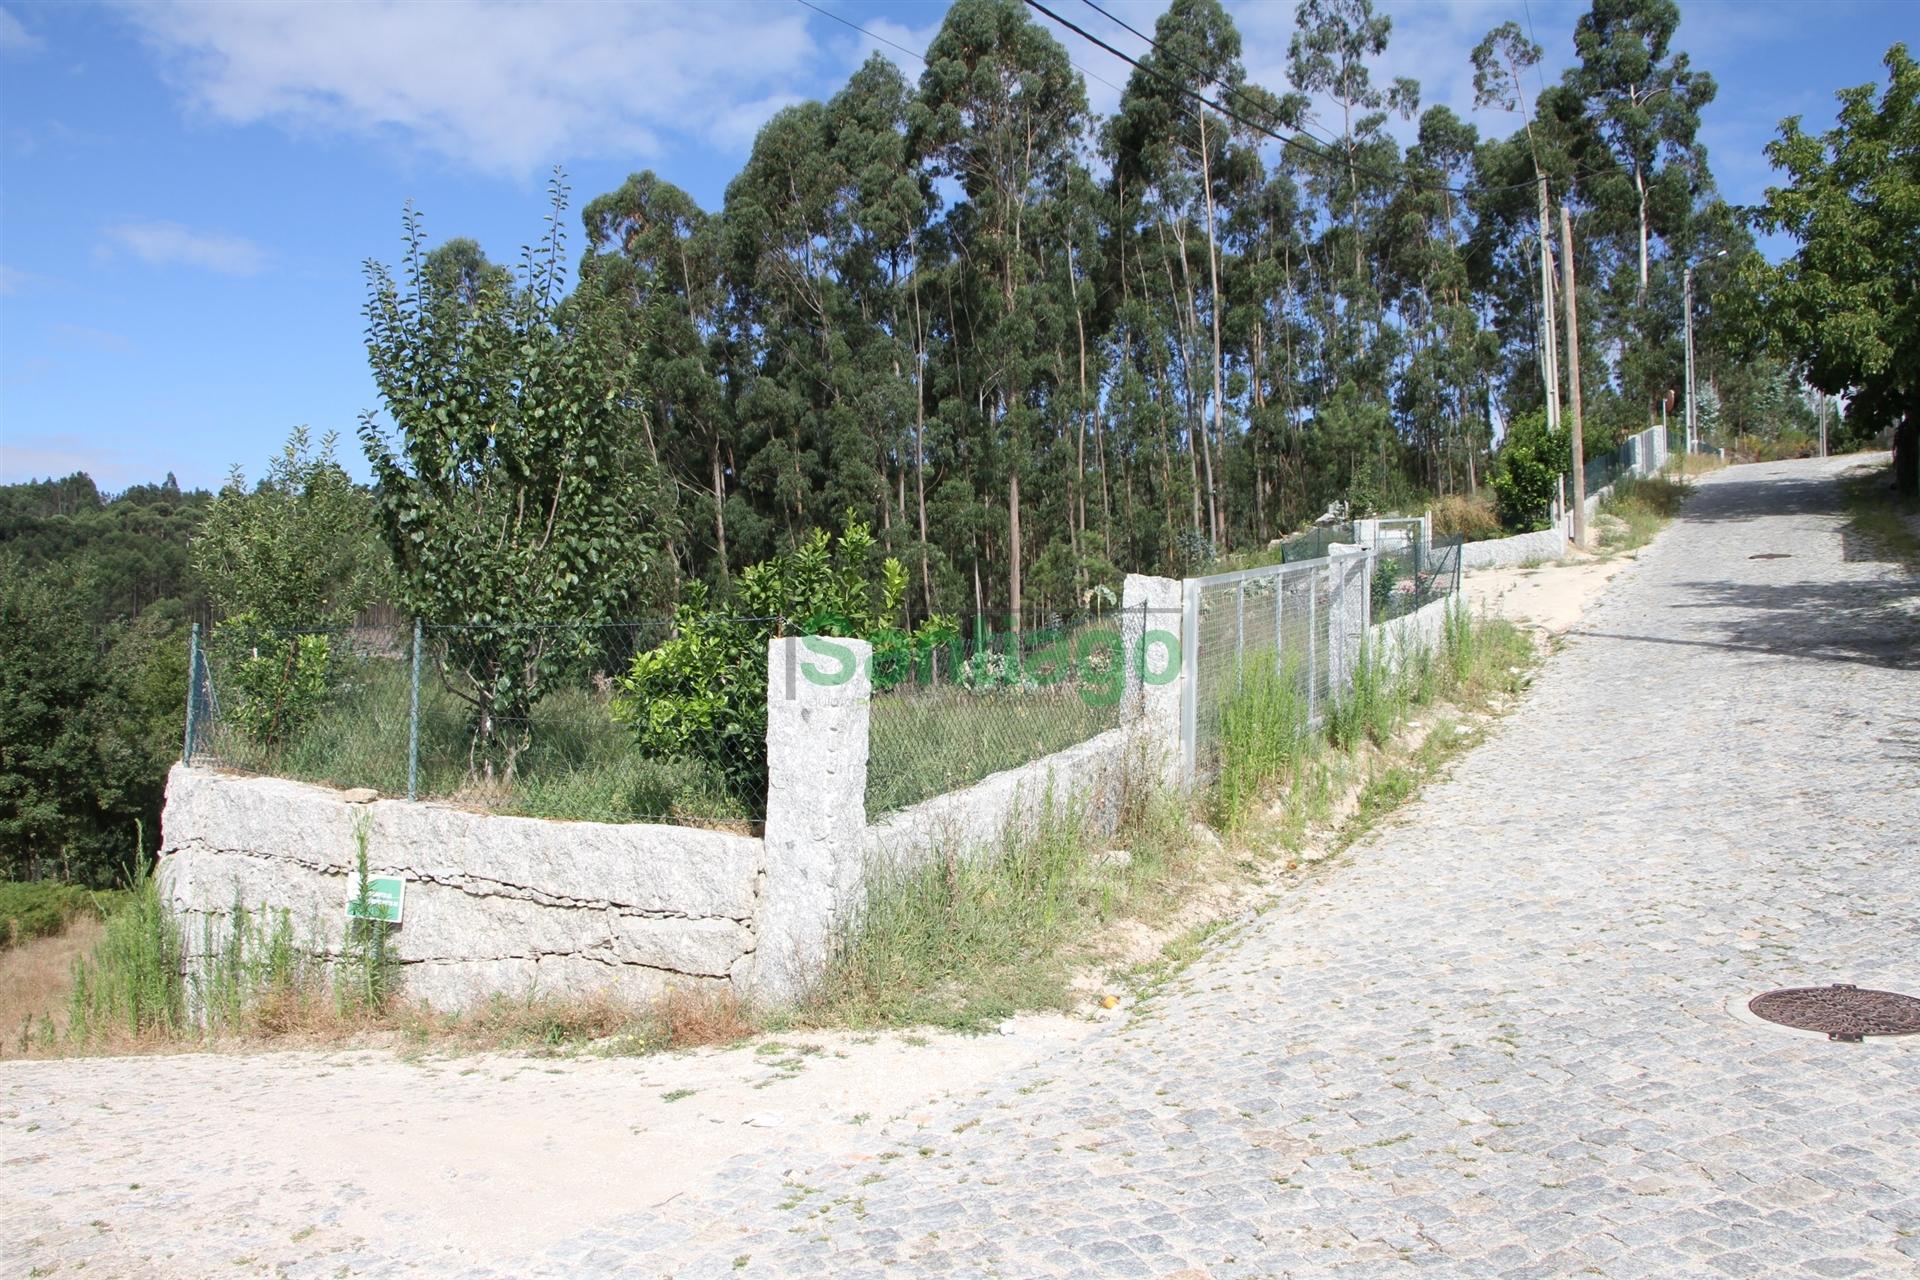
1502,1039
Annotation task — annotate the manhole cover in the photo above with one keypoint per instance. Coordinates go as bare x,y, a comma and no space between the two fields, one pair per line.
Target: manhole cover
1842,1012
1773,555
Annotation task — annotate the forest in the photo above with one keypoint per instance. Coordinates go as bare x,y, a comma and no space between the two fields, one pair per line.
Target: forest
1028,348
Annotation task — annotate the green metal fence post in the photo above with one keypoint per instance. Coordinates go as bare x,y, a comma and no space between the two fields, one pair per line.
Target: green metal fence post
193,680
413,720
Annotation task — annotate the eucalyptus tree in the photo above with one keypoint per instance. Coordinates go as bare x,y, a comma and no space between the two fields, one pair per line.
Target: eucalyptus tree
999,110
655,253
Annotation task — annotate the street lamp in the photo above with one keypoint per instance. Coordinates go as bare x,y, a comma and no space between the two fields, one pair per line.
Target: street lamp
1689,305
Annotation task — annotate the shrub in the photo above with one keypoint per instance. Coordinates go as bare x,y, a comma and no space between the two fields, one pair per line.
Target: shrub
274,682
1527,472
703,694
1460,515
32,909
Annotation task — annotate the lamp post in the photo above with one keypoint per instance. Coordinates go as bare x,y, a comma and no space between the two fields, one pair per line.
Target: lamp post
1691,417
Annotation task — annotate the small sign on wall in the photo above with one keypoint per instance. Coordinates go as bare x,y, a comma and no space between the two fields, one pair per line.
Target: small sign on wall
383,899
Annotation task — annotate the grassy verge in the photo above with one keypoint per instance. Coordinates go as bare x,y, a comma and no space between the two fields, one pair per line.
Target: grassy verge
1638,508
252,983
964,941
1880,521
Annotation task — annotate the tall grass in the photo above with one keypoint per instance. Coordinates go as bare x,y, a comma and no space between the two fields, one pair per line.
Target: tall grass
1264,734
1369,707
131,985
1646,504
964,938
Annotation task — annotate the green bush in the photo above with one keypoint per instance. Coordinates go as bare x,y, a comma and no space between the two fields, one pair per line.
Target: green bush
702,695
1527,471
32,909
274,682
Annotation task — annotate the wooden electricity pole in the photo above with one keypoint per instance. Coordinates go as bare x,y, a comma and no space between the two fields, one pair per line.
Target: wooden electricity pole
1549,356
1573,379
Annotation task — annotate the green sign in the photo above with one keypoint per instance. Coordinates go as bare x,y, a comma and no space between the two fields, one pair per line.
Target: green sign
382,900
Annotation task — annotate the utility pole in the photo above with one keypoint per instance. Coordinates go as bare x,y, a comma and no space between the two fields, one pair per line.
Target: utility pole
1689,306
1549,343
1820,403
1573,380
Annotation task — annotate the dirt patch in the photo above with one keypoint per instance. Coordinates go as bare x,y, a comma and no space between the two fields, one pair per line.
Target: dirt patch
326,1148
35,977
1550,599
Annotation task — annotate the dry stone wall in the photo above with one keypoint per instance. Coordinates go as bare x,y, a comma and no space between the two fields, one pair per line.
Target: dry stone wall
493,904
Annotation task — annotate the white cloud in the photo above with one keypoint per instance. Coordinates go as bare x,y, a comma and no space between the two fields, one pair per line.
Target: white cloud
15,38
170,244
505,87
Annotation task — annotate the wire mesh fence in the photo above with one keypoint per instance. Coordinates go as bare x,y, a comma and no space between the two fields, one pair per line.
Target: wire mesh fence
989,702
437,712
1408,575
1266,631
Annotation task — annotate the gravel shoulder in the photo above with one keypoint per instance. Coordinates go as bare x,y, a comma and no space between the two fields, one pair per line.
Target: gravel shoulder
1496,1039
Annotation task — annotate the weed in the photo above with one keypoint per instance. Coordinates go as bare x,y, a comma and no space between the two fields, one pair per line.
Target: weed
131,984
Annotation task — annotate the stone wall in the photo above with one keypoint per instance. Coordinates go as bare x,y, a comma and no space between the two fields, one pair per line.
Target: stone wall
1424,628
1525,548
493,904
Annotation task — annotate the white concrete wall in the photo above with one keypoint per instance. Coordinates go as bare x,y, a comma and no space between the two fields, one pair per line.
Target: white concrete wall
493,904
1425,628
1525,548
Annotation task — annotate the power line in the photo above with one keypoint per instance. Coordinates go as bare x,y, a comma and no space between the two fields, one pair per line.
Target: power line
1295,141
1187,66
921,57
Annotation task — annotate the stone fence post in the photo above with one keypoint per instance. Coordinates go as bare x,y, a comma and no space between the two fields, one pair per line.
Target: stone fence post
818,697
1152,647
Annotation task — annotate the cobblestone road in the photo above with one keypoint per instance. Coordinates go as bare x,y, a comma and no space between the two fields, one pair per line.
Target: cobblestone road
1501,1038
1500,1042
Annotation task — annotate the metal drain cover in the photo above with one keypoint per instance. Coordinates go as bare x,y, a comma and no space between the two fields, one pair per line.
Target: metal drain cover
1842,1012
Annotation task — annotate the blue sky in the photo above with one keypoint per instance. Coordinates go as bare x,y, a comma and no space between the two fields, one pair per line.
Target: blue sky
187,191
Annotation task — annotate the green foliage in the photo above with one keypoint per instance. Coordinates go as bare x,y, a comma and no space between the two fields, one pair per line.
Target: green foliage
1528,467
1847,304
514,494
297,550
131,985
1264,735
83,740
702,695
1369,708
32,909
272,683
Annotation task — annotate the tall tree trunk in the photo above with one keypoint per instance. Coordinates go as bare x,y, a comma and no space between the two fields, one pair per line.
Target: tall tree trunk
1213,274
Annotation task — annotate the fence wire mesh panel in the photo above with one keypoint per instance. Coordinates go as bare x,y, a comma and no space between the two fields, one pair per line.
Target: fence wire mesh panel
1408,576
989,703
537,719
1259,651
320,705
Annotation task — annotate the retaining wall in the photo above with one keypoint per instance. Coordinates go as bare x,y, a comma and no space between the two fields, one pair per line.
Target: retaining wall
1525,548
493,904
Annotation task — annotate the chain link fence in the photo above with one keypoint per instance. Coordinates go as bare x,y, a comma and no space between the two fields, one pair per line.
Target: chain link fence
1270,627
1409,575
429,712
987,703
